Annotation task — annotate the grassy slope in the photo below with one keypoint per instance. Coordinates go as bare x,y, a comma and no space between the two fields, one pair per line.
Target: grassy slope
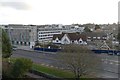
53,71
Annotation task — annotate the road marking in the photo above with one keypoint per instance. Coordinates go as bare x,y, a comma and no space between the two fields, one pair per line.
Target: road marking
111,63
62,68
114,61
56,67
110,60
42,64
117,64
47,65
105,62
51,66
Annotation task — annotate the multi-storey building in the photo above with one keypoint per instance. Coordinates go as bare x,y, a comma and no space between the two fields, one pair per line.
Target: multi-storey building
46,34
22,34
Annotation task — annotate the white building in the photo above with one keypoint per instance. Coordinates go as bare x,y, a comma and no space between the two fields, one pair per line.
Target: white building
46,34
69,38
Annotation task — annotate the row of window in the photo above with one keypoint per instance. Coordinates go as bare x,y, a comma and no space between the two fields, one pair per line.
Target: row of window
49,32
21,43
45,38
46,35
98,37
71,41
50,29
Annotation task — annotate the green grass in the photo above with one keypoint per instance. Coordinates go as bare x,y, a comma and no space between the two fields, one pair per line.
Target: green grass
53,71
58,72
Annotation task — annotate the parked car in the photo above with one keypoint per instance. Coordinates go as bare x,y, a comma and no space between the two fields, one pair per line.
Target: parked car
118,54
14,48
110,53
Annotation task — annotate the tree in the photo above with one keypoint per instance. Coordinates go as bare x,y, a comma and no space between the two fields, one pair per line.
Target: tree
80,60
6,45
87,29
20,67
97,27
118,37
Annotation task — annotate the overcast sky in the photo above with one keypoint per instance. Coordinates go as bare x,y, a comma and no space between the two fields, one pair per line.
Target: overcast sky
58,11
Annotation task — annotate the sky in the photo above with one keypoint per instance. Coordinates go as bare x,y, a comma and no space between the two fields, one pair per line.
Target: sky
39,12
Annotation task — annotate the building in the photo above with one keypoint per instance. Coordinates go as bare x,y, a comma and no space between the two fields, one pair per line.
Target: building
111,30
93,36
22,34
69,38
46,32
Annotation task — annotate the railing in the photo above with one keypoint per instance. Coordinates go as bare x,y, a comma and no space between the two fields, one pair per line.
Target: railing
47,49
116,52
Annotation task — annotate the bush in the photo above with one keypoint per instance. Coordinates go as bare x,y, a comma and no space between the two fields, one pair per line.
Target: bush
20,67
16,68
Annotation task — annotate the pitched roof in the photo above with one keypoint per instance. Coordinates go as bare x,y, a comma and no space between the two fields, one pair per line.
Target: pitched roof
71,36
59,36
94,34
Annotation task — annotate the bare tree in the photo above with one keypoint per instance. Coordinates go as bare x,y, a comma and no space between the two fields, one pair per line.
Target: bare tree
79,59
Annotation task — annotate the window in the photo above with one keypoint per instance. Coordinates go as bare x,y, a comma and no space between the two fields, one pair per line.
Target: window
72,41
12,42
98,37
80,41
21,43
29,30
65,40
17,42
25,43
56,40
29,43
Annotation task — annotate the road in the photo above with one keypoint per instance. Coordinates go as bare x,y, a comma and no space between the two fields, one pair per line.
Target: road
109,63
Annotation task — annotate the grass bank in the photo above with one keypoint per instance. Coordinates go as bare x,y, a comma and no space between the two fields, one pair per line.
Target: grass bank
53,71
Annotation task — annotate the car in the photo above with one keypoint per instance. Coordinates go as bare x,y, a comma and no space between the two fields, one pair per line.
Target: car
118,54
110,53
14,48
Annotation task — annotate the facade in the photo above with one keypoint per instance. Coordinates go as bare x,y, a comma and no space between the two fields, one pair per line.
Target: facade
46,34
22,34
69,38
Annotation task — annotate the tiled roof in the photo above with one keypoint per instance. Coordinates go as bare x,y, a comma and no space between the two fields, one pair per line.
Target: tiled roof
94,34
59,36
71,36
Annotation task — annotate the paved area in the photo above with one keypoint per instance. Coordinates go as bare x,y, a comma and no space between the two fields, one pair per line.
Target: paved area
24,47
109,63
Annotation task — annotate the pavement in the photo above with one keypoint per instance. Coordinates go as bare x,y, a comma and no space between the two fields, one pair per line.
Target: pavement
24,47
27,48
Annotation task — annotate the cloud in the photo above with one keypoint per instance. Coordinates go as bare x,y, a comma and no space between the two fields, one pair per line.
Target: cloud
15,5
